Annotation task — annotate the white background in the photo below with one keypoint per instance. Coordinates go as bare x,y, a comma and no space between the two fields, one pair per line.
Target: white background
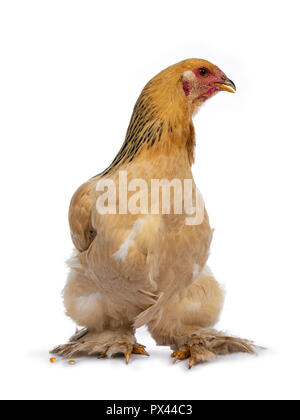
70,73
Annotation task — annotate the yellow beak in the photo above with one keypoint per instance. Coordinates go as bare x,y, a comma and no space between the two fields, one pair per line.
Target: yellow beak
228,86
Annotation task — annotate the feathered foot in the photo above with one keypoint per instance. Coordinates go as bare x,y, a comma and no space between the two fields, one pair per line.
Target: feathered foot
106,343
205,345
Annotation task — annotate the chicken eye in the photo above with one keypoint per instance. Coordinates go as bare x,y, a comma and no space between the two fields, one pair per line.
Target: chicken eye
202,71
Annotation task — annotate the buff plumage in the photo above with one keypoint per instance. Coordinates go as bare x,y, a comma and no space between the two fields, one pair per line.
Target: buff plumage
130,270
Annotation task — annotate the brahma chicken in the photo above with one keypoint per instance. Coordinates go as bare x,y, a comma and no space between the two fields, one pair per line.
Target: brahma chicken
136,268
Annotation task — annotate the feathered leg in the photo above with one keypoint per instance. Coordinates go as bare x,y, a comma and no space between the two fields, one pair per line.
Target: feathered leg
184,324
108,332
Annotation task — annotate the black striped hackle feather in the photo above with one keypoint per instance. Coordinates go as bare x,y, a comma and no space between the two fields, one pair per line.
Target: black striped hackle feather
144,130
